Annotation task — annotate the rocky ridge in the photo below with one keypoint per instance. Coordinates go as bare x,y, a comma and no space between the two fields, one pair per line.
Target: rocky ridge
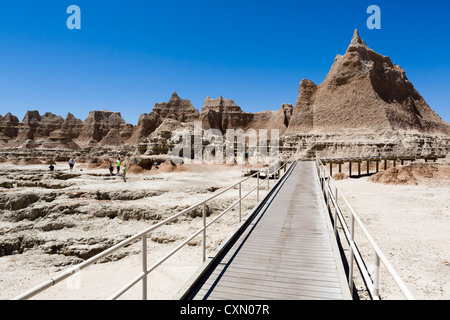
363,91
365,105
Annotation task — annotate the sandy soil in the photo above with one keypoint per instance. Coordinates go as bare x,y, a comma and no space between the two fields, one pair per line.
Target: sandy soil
176,190
410,222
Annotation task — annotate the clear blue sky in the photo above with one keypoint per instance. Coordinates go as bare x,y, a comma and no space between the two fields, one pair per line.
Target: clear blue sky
130,54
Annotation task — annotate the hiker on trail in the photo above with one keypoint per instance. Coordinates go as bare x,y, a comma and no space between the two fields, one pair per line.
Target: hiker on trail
71,163
118,165
111,169
156,165
124,173
51,167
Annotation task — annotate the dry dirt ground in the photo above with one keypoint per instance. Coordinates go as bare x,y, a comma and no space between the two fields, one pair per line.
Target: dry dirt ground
52,221
407,211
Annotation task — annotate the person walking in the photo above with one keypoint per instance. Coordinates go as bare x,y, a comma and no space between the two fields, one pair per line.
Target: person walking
111,169
118,165
124,172
71,163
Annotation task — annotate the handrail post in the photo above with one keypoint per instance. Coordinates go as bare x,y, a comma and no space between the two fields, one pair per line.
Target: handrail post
335,211
144,266
204,231
240,202
329,192
335,218
257,189
352,242
329,188
376,280
323,178
336,195
276,175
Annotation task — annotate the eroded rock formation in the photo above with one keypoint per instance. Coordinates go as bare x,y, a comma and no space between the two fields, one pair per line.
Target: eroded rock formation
366,104
364,91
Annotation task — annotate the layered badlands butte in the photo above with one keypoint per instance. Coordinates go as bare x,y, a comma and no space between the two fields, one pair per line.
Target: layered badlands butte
366,106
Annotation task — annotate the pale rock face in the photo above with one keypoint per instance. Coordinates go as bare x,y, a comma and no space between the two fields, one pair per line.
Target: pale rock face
50,131
178,109
224,114
8,127
364,91
98,124
70,129
35,126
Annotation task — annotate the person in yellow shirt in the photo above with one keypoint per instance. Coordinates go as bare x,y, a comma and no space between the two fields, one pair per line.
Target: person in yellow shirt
118,165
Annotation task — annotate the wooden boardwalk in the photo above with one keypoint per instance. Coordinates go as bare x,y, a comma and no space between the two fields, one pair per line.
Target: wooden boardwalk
287,251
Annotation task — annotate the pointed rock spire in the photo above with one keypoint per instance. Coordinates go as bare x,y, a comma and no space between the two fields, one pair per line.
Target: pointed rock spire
356,40
31,116
177,109
174,96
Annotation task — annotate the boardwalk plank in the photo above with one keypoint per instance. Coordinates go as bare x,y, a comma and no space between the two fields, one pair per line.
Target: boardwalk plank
298,274
331,282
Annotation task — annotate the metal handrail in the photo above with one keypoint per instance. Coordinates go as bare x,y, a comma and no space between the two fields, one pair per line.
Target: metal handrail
373,285
143,237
